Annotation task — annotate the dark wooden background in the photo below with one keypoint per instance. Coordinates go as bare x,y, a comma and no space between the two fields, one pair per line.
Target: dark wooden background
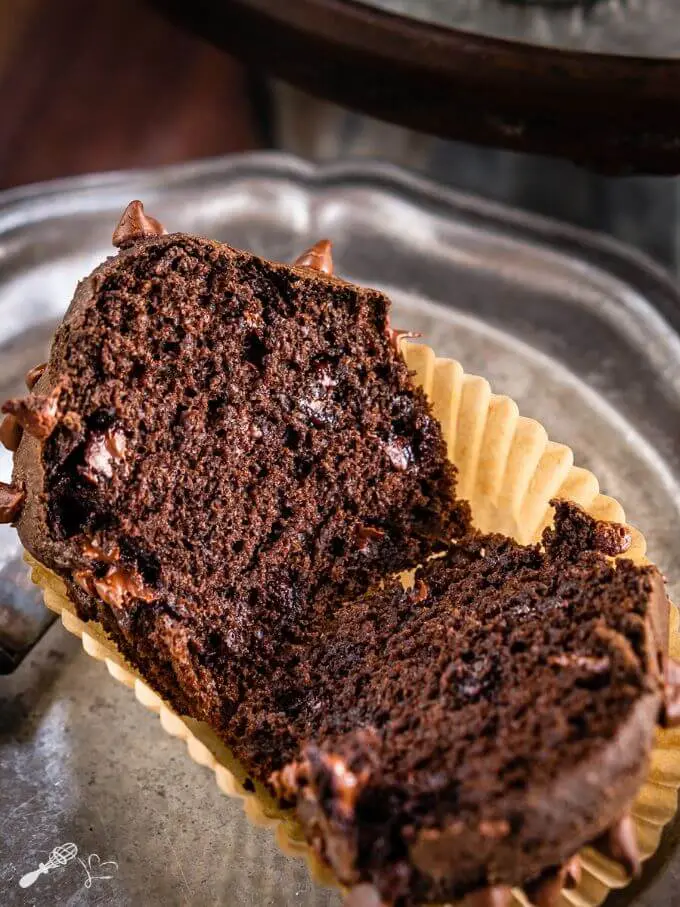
90,85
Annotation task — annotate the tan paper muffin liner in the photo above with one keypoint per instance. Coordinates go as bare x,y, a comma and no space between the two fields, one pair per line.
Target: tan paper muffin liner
508,470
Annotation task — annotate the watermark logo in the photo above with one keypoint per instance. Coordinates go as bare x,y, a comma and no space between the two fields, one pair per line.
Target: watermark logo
96,869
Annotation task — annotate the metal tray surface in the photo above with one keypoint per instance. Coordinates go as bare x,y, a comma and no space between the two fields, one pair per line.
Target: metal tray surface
622,27
582,332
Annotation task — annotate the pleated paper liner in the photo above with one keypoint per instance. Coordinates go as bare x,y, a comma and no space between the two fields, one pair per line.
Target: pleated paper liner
508,470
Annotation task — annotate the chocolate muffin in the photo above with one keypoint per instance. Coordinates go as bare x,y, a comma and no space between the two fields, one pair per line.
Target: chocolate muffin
472,733
227,462
216,443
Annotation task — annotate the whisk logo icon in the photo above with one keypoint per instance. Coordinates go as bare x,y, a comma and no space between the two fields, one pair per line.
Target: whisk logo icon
60,856
95,869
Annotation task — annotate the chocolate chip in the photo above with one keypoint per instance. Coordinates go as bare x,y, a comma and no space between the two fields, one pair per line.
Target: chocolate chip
36,413
318,258
365,537
11,501
85,579
116,587
420,591
34,375
10,433
612,539
346,784
316,413
323,369
135,225
102,451
290,779
94,552
399,453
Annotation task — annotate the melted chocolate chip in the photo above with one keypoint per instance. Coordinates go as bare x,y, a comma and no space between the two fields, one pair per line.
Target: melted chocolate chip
34,375
118,586
94,552
346,784
399,453
316,413
619,843
395,336
101,452
36,413
612,539
366,536
11,501
319,257
420,591
328,771
85,579
290,780
10,433
323,369
135,225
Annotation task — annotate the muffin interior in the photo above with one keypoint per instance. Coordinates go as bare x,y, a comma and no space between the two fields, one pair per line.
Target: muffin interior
234,436
450,728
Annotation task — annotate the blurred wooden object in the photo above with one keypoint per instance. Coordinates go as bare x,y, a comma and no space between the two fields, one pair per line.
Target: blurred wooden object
87,85
612,113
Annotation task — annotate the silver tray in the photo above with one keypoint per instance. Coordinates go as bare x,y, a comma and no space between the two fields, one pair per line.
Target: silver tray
582,332
645,28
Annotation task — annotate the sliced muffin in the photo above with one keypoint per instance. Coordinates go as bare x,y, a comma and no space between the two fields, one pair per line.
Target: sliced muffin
227,462
216,442
472,733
